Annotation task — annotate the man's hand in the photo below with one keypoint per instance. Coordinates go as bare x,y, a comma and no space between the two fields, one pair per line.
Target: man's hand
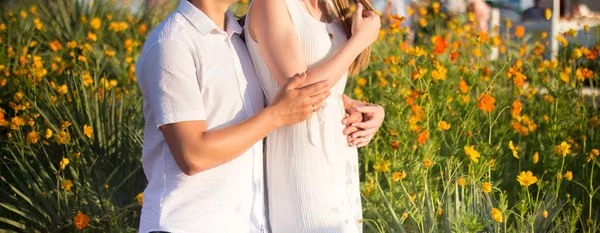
295,104
361,132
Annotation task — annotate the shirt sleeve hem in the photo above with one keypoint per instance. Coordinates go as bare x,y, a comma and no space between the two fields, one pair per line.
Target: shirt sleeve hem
180,117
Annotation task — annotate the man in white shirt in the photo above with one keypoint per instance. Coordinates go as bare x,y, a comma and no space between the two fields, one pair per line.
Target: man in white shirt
205,121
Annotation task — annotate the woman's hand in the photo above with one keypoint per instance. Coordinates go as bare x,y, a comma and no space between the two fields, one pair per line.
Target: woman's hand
363,121
365,26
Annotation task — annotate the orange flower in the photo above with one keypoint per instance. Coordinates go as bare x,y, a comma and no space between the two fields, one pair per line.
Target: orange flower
427,162
440,45
519,31
453,56
422,137
516,108
81,221
395,144
486,103
55,45
464,88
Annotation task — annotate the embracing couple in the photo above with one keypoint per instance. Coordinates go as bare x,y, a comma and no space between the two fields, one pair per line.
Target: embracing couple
205,92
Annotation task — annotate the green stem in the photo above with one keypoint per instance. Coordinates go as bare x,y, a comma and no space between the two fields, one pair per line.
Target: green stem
592,192
562,165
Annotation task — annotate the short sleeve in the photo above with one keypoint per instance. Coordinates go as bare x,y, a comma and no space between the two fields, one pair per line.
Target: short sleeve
170,83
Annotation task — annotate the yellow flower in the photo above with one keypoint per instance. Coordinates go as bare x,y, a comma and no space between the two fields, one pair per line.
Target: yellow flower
48,133
63,163
71,44
440,211
439,73
64,125
37,24
66,185
562,40
427,162
33,137
563,149
87,78
514,149
96,23
526,178
461,181
536,157
443,126
396,176
118,26
140,198
17,122
81,221
593,154
415,51
472,153
423,22
569,175
88,131
545,214
487,187
576,53
496,215
383,166
404,216
62,137
548,13
586,28
92,37
109,53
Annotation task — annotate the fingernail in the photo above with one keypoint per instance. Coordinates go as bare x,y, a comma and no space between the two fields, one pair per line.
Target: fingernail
353,125
344,122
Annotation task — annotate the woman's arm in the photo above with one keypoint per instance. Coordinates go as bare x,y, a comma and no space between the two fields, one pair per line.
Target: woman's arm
272,28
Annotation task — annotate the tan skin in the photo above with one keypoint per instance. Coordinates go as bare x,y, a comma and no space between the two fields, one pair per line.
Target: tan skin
196,149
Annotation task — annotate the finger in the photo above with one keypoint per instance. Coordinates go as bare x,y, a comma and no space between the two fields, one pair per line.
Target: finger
360,142
366,124
358,11
349,130
366,13
353,118
315,87
318,98
296,81
352,109
368,108
363,133
347,101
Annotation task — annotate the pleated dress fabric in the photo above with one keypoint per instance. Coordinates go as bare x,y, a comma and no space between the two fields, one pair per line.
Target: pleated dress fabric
312,174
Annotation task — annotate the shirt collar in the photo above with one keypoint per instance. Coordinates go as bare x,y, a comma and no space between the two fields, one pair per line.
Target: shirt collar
203,23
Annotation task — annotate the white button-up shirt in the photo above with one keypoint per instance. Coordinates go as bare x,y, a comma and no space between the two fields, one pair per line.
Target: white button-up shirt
192,70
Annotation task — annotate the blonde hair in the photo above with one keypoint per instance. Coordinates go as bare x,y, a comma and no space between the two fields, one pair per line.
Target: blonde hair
341,11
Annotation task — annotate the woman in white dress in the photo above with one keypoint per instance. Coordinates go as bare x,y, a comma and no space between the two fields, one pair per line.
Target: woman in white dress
312,172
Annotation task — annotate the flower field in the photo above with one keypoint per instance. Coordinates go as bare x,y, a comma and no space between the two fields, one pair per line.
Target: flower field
469,144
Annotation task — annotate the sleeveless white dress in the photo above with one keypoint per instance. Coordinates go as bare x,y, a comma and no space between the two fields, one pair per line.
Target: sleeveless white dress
312,174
